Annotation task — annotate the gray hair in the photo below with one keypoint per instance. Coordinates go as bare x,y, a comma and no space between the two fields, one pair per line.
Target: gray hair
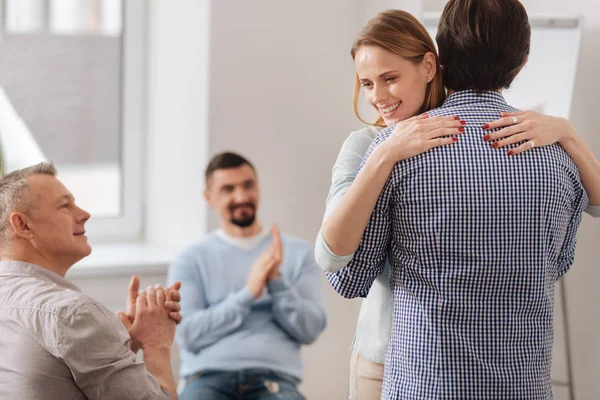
14,196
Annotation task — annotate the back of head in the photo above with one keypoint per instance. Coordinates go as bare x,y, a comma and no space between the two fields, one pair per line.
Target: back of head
483,44
403,35
15,195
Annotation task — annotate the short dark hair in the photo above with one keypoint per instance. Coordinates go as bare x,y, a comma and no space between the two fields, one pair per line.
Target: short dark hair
483,44
225,160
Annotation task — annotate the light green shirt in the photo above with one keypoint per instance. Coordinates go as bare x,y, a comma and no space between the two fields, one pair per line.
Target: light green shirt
375,319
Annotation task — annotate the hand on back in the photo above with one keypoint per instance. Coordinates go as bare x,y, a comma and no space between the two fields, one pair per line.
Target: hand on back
420,134
528,127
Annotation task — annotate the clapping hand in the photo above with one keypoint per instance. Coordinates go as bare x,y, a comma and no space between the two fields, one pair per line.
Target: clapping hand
266,267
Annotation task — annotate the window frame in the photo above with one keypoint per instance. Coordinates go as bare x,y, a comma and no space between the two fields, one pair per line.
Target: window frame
128,225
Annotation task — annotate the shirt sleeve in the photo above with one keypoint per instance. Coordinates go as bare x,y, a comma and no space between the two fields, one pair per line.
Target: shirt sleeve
298,303
356,278
344,172
594,211
95,346
327,259
567,253
205,324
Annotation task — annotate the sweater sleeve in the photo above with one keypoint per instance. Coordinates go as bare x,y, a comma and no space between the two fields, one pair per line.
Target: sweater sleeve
203,325
298,302
344,172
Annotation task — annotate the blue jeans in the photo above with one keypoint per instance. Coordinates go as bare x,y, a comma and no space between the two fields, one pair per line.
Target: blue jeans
247,384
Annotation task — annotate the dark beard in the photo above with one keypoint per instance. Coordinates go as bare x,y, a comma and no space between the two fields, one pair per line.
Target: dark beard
246,221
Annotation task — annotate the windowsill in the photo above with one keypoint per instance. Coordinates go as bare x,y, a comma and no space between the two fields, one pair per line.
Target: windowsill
123,259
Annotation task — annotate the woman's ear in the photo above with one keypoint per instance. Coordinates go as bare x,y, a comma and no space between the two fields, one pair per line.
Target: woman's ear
429,66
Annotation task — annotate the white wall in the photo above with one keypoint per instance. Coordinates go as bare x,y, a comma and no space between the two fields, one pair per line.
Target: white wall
177,48
582,281
281,90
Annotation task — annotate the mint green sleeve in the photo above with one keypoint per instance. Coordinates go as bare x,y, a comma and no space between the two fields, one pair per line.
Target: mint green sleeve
594,211
344,172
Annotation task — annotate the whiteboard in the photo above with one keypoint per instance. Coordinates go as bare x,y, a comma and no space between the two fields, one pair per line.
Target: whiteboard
547,81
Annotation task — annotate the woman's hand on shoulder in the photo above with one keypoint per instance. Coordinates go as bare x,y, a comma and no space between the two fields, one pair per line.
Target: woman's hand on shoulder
420,134
528,127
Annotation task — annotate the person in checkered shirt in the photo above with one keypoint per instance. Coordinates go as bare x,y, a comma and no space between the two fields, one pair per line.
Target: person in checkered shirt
476,240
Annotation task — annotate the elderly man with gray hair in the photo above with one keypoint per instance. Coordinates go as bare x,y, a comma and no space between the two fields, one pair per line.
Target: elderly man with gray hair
56,342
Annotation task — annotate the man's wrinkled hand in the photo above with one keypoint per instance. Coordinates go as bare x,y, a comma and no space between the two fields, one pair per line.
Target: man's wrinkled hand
152,326
172,303
173,298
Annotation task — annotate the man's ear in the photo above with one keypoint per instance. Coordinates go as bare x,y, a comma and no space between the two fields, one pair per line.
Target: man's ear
207,197
20,225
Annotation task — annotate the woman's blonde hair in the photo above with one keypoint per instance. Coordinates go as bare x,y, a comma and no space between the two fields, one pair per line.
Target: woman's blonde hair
402,34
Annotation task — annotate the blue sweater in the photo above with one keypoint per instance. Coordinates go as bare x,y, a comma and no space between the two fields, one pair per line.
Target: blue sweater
225,328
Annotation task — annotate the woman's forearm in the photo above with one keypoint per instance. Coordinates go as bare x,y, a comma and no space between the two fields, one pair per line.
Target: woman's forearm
587,163
344,227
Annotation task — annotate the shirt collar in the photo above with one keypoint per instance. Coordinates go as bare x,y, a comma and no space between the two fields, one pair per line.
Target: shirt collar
245,243
470,96
24,269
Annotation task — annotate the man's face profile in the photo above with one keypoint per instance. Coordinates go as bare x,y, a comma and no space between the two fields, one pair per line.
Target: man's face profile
56,223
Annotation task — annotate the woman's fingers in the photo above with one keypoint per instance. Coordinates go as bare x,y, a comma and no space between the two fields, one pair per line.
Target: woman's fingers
507,119
441,128
513,114
504,132
441,132
519,149
501,123
441,142
449,120
510,140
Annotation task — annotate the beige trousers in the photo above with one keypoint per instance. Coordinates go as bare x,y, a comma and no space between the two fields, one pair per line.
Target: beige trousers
366,378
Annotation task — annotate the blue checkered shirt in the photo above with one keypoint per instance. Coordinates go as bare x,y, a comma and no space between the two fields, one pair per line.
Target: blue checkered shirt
477,241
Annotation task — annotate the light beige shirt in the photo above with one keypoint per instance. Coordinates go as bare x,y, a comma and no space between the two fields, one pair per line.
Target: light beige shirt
58,344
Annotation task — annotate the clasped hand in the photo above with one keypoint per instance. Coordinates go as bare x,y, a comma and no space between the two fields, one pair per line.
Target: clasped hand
151,314
266,267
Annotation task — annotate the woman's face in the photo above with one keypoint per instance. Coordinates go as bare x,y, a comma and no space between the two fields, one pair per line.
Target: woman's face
393,85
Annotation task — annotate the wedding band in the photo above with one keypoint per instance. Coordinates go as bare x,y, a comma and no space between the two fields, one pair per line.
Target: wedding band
531,144
514,120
